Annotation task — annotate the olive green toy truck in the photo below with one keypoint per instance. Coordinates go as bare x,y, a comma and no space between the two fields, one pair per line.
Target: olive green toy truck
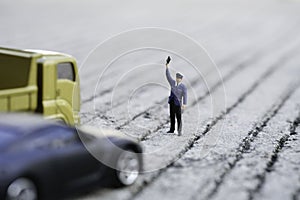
40,81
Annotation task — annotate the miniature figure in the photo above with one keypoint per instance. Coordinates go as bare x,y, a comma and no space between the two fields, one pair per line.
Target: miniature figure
177,99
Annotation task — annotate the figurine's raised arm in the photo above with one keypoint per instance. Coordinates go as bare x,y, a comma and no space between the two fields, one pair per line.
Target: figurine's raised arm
169,78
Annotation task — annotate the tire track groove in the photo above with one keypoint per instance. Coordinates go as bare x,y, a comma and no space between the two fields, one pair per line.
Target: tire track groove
225,60
245,145
239,67
230,75
209,126
274,157
227,77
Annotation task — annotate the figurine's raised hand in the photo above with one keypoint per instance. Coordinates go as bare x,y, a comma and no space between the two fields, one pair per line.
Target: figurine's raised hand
168,60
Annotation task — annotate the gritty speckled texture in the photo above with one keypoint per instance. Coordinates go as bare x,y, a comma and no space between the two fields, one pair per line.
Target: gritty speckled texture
247,149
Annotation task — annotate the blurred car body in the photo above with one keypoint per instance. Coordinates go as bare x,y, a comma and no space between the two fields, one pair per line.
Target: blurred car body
42,159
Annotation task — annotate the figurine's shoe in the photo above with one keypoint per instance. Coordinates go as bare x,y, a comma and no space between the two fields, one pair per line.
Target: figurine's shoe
179,133
170,131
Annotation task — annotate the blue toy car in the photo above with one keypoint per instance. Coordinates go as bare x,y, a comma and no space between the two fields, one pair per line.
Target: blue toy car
41,159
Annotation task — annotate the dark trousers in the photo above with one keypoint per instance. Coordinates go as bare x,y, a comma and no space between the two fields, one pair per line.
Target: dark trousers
175,111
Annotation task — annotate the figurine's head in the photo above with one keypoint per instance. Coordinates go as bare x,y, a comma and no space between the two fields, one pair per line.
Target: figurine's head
179,77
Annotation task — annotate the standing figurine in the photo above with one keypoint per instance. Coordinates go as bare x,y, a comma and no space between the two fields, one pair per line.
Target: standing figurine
177,99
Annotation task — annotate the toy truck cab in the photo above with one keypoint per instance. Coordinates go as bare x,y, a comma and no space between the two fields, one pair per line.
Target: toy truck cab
40,81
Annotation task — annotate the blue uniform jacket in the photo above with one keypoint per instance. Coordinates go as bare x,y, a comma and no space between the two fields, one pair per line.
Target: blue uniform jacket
178,92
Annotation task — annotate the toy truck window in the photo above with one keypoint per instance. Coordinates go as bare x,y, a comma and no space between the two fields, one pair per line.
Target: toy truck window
65,71
14,72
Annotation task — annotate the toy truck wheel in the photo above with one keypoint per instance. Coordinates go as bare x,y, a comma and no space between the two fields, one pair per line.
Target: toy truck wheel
22,188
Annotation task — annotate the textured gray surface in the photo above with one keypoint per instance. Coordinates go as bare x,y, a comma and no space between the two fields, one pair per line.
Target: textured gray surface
246,149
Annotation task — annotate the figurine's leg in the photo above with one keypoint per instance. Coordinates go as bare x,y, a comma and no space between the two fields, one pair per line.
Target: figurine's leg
179,122
172,117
